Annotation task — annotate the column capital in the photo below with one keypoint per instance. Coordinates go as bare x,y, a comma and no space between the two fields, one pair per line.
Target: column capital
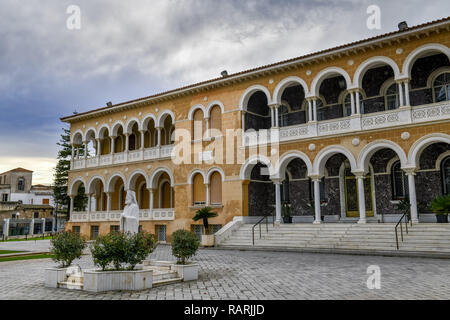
402,80
315,177
354,90
359,174
151,190
311,98
274,105
410,171
277,181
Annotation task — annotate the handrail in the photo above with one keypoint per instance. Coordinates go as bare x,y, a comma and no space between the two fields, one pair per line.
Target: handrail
408,219
259,223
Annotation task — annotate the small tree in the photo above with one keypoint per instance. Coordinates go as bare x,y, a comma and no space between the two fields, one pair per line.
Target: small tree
441,205
404,206
184,245
204,214
66,247
101,251
140,245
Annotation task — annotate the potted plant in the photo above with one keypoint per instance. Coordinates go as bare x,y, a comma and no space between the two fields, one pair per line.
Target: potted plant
184,246
65,247
204,214
117,254
441,207
286,209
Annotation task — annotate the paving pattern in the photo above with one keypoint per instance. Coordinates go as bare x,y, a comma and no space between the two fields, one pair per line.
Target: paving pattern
229,274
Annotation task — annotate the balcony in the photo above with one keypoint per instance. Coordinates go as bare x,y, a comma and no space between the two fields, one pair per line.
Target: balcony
155,153
114,216
352,124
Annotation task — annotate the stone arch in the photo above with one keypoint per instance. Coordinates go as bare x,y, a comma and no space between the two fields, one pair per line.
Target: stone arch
131,184
370,63
194,108
278,92
112,180
88,131
247,167
193,173
155,176
322,75
211,171
416,149
130,124
115,128
325,154
213,104
369,150
248,93
418,52
147,119
162,117
91,181
101,131
75,184
77,137
287,157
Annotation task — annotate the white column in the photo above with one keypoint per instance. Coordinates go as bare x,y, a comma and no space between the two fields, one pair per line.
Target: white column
207,122
73,157
243,120
361,198
159,136
113,144
108,201
142,139
72,198
310,113
6,227
272,117
407,102
277,124
412,195
31,232
99,150
357,107
43,225
315,109
317,212
400,93
277,202
127,142
85,149
352,103
151,198
207,193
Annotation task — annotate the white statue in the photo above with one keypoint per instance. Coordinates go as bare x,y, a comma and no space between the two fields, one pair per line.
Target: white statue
129,219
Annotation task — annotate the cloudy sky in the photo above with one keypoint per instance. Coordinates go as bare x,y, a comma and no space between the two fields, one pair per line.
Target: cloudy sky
130,49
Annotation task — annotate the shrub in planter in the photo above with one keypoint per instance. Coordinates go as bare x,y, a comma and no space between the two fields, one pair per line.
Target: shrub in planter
441,207
66,247
122,249
184,245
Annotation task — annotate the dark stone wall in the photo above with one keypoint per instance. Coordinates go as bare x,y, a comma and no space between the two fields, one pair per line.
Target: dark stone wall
428,187
380,160
429,156
383,194
261,198
299,194
334,164
332,193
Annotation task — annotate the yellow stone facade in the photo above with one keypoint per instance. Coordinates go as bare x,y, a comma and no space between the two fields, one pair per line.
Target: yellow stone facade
229,93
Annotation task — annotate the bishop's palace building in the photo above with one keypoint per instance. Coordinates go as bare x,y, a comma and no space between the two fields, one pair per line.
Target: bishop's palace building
340,135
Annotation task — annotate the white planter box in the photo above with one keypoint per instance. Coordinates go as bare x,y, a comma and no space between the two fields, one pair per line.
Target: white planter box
53,276
207,240
99,281
188,272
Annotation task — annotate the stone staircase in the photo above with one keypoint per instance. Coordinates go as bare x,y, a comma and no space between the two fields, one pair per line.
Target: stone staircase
423,239
162,274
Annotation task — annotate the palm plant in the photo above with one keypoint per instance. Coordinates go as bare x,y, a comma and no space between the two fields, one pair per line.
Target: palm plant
204,214
441,205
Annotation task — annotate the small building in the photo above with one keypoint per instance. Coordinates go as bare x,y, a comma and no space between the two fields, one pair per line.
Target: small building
25,209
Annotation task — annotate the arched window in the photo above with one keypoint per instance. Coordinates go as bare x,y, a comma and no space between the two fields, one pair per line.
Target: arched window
199,191
216,120
21,184
399,182
348,105
165,200
445,170
132,142
216,188
441,87
391,98
198,125
320,109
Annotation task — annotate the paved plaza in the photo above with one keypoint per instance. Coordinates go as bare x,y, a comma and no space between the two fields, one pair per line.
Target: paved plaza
227,274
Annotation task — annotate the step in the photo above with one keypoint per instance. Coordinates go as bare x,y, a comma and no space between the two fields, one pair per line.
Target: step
70,285
166,282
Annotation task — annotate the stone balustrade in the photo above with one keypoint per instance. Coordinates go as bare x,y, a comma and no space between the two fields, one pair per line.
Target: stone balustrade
114,215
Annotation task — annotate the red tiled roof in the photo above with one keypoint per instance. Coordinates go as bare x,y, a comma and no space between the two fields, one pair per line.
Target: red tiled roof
17,170
310,55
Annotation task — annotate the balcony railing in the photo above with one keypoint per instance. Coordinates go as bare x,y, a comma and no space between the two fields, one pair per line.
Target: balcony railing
144,215
124,157
355,123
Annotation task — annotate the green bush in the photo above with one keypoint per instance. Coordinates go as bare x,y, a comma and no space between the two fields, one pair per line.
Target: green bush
66,247
204,214
184,245
441,205
122,249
